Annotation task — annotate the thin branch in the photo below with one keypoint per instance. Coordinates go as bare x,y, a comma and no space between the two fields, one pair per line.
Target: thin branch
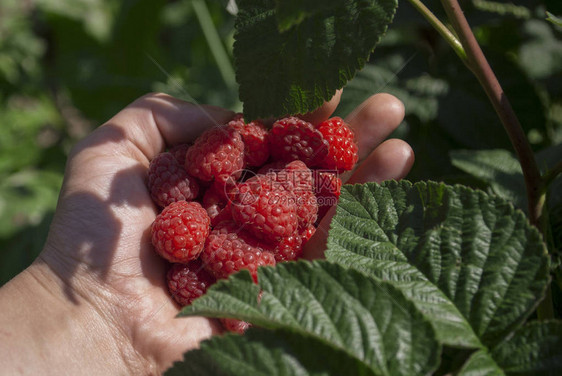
536,195
441,29
483,72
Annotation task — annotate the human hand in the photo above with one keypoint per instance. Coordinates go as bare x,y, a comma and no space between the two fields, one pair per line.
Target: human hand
98,262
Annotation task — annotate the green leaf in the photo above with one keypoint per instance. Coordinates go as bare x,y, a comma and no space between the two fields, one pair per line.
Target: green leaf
25,198
23,119
499,168
297,70
481,363
534,349
420,93
471,262
268,353
293,12
553,19
502,171
502,9
541,55
368,320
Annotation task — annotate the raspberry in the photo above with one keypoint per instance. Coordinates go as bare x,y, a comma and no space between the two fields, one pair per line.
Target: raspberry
327,187
256,221
277,177
296,177
307,208
295,172
269,210
187,282
291,247
235,326
216,155
301,178
169,182
255,137
288,249
300,174
179,152
342,154
307,233
180,230
230,249
292,138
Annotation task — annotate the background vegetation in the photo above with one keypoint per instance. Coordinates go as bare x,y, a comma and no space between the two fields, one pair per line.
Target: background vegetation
66,67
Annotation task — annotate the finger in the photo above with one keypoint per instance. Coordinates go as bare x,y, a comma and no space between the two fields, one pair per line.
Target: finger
324,112
155,121
374,120
392,160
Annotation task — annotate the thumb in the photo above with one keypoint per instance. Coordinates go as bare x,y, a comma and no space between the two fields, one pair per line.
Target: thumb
149,124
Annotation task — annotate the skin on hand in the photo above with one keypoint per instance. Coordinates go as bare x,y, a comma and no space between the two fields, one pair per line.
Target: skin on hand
96,297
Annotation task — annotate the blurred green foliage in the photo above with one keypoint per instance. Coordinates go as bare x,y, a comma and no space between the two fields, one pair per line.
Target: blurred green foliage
68,66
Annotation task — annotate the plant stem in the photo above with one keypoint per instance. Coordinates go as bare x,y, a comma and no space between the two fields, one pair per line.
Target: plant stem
441,28
551,174
214,42
483,72
481,69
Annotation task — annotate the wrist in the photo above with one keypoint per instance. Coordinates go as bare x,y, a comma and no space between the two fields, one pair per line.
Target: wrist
49,331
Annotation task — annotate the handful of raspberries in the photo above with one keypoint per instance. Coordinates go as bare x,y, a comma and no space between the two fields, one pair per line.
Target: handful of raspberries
242,197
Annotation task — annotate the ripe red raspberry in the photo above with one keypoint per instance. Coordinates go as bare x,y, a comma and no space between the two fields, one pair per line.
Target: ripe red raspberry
288,249
216,155
327,187
342,154
307,208
291,247
294,172
230,249
187,282
179,152
292,138
272,171
235,326
301,175
269,211
169,182
307,233
255,137
180,230
296,177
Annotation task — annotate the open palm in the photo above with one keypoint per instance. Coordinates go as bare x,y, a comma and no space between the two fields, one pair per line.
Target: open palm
99,244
